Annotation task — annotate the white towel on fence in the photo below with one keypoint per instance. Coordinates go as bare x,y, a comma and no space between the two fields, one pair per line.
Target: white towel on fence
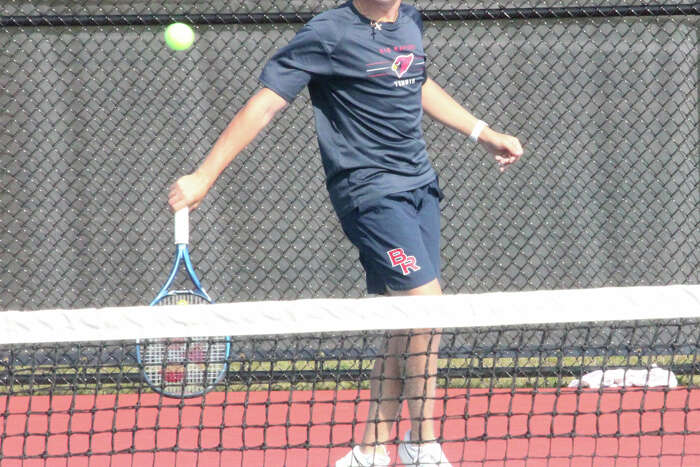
624,377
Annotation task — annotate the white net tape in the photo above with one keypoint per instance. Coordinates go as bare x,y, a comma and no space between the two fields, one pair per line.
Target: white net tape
333,315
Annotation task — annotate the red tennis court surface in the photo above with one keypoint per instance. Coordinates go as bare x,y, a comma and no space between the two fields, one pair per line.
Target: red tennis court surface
547,427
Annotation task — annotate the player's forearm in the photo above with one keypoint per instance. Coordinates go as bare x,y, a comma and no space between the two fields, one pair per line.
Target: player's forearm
443,108
242,130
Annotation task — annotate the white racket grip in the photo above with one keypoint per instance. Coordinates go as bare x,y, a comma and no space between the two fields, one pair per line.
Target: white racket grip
182,226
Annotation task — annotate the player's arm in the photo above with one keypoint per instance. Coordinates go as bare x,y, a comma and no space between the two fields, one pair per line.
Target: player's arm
443,108
188,191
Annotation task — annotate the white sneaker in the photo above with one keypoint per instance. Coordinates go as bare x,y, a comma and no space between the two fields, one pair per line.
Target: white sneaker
357,458
422,455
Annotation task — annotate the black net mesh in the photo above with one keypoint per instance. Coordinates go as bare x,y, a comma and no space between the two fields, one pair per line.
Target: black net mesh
302,400
97,121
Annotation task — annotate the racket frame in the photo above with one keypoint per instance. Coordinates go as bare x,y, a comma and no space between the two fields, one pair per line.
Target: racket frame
182,256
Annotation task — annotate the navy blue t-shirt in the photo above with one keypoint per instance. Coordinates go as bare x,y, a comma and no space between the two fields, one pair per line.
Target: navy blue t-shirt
365,86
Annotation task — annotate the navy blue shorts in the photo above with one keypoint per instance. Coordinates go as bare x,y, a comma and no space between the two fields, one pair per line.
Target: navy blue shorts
398,237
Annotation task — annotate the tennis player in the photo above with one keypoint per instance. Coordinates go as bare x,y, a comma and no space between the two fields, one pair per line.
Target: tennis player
365,68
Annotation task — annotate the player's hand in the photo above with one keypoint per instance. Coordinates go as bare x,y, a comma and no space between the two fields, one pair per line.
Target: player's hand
506,149
188,192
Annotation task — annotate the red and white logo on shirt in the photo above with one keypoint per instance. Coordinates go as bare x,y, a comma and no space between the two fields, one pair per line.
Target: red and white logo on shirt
399,258
401,64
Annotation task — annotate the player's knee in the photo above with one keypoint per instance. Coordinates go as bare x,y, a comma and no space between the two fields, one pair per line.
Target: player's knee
431,288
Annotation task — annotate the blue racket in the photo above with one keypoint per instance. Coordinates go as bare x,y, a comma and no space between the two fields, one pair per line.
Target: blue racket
183,367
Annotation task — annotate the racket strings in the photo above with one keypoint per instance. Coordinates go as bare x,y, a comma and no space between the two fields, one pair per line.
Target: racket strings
184,366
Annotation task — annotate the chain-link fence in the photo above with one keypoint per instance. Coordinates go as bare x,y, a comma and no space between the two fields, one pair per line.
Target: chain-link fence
47,8
98,120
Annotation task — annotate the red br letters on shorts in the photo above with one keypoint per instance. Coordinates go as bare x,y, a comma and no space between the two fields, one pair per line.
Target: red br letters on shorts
399,258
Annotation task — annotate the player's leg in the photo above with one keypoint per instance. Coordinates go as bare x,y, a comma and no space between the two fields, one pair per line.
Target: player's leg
419,446
421,367
386,386
407,371
418,353
392,253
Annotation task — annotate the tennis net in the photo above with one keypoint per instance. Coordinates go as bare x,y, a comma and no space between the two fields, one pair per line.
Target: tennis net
521,380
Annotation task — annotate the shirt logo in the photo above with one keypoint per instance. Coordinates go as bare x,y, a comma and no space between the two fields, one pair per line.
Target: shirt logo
401,64
399,258
397,67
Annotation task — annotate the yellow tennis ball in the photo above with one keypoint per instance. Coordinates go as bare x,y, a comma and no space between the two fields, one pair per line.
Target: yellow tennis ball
179,36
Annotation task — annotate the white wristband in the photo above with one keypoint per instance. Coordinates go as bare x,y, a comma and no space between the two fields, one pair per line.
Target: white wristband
480,125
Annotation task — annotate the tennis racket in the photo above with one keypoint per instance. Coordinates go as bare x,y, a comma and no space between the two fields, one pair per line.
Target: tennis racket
183,367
